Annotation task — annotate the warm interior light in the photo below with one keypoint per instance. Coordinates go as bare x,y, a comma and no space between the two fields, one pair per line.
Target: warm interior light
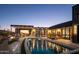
53,31
33,30
24,31
75,29
49,31
63,31
58,30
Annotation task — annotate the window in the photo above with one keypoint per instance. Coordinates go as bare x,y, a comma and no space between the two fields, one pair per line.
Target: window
24,31
75,29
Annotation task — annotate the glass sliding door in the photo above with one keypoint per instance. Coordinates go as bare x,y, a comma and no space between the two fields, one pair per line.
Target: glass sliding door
63,32
67,32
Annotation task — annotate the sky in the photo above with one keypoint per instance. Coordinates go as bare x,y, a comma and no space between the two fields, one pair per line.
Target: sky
39,15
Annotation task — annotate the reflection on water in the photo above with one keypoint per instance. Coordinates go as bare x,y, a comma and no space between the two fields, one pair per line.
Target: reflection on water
44,47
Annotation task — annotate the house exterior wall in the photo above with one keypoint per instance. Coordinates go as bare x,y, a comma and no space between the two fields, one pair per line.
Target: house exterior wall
75,24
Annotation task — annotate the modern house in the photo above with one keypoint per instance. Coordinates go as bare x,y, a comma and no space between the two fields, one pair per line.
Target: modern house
68,30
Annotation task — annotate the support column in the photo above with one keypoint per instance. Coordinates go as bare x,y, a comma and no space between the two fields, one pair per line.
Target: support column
62,32
75,24
65,32
69,34
55,33
17,31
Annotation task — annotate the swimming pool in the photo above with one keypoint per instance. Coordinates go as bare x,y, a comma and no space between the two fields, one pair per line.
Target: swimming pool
42,46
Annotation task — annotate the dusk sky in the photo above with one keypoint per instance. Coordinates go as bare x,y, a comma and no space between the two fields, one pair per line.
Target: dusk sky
37,15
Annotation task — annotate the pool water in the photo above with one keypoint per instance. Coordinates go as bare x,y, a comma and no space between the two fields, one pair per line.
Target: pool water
41,46
44,51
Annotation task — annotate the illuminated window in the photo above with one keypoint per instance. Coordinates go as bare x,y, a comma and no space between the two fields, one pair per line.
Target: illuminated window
33,30
53,31
49,31
58,30
67,32
75,29
63,31
24,31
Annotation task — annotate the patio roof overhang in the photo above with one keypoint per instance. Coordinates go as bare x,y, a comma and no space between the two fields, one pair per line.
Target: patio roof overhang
65,24
22,27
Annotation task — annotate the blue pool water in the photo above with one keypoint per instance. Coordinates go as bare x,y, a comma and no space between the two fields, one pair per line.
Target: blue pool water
44,51
44,47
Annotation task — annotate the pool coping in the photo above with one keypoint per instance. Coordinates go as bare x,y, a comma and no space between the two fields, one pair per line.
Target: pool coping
63,43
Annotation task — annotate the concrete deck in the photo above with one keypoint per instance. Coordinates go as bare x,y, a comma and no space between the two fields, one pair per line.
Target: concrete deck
66,43
15,48
4,48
